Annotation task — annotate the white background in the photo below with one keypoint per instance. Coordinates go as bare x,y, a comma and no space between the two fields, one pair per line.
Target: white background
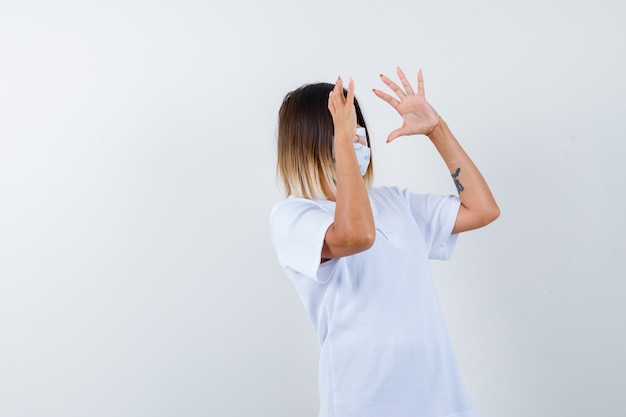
137,162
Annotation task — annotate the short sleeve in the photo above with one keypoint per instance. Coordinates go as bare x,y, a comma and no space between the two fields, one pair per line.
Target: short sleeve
298,227
435,215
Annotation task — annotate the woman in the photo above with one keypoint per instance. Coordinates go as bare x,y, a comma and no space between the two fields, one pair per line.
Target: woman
358,256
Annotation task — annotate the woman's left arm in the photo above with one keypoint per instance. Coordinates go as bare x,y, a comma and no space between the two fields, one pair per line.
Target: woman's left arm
478,207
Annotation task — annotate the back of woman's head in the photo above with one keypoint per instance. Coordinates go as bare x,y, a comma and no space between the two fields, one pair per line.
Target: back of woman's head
305,142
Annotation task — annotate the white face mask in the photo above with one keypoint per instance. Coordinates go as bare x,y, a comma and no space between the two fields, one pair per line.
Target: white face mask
362,151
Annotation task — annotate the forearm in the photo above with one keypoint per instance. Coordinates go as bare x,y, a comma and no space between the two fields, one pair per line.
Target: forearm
479,208
354,222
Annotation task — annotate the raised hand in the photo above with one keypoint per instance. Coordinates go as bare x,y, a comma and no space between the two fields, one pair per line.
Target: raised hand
418,116
352,230
342,110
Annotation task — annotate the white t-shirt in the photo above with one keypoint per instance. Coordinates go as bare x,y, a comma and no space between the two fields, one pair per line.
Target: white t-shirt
385,351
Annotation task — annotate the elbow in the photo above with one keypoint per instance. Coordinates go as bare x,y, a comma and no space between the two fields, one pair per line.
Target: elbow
369,239
490,215
342,242
363,240
475,219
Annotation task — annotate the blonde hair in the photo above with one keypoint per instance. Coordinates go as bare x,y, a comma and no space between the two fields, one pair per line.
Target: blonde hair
305,142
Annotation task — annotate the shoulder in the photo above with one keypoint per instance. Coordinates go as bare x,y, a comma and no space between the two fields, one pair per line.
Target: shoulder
295,205
298,227
295,213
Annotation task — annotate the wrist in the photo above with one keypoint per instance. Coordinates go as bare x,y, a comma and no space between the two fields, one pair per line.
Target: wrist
435,127
344,135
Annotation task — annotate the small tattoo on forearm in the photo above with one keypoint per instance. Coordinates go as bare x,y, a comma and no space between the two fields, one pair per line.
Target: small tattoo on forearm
459,186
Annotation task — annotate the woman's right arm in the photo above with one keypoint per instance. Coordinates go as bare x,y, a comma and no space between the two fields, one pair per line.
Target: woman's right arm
353,228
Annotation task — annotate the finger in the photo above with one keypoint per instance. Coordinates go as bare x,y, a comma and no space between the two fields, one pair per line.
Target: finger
337,94
333,97
397,133
394,87
331,103
338,90
392,101
405,82
350,97
420,83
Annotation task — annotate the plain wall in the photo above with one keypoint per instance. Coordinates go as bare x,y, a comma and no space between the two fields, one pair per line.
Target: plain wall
137,174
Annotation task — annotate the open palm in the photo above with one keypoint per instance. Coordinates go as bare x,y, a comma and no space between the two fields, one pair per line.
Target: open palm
418,116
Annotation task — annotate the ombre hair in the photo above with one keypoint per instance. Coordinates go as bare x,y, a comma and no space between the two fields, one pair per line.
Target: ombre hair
305,142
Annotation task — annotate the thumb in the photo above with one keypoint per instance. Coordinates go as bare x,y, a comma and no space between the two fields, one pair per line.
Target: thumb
397,133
